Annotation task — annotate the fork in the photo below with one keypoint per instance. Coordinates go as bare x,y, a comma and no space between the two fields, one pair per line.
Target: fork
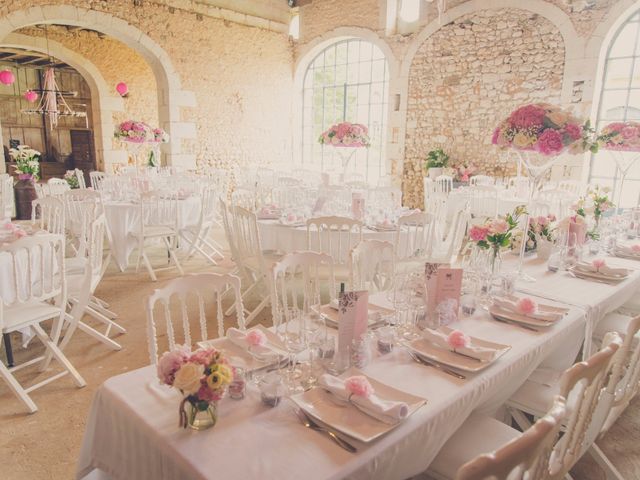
309,423
429,363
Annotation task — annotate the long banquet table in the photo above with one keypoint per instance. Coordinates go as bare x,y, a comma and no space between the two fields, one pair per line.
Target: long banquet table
132,428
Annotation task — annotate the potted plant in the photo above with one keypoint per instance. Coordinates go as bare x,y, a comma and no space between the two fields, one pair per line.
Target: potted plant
27,168
436,161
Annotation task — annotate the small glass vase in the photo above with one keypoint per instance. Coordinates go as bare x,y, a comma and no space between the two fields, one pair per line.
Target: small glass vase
199,415
495,262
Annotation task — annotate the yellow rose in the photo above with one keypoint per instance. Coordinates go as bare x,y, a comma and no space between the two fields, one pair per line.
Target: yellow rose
521,140
559,118
221,375
188,378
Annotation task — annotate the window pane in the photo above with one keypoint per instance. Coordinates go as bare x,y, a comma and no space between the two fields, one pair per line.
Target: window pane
625,42
613,104
618,73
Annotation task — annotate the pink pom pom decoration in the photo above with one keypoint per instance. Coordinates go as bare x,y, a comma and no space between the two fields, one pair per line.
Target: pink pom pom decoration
527,306
359,385
30,96
7,77
458,339
256,338
598,263
122,89
635,248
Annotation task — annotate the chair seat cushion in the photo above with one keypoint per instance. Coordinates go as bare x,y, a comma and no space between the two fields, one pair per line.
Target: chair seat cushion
612,322
536,395
478,434
25,314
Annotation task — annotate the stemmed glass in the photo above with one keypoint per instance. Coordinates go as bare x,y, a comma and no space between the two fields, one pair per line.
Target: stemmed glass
291,331
624,164
316,336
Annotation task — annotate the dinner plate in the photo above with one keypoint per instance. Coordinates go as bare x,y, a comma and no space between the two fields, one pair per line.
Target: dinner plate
444,356
598,276
348,419
629,256
239,357
382,228
376,315
510,316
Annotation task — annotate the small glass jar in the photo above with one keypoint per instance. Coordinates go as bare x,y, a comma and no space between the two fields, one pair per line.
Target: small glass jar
468,304
555,262
238,386
272,389
508,283
385,337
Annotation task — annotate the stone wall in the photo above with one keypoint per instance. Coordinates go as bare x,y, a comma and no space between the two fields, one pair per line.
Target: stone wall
467,77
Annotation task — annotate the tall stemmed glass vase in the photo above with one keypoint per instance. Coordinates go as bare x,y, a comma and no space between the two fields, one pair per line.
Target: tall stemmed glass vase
624,161
345,154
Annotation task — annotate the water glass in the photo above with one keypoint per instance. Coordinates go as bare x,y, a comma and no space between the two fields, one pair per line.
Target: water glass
386,339
272,389
508,283
468,304
555,262
237,387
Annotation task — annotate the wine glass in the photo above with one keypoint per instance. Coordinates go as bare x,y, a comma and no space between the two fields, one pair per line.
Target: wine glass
291,331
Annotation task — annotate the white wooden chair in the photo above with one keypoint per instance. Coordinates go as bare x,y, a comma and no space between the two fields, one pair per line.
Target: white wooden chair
446,249
384,197
484,448
192,290
287,197
483,201
559,201
242,197
79,203
80,176
288,181
372,266
198,236
37,266
297,281
413,239
590,387
97,179
335,236
574,187
158,221
7,199
481,180
57,186
48,214
443,184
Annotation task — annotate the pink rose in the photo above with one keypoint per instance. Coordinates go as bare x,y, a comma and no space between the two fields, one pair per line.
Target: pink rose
343,129
574,131
598,263
359,385
203,357
19,233
550,142
635,248
527,116
542,221
478,233
458,339
205,394
499,226
170,362
527,306
256,338
629,132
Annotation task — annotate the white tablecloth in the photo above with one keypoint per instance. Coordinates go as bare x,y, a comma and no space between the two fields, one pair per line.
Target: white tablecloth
123,220
132,429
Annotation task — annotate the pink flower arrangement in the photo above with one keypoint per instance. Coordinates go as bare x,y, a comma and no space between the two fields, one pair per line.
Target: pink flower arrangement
496,233
160,136
256,338
135,132
170,362
359,385
624,136
346,134
457,339
598,263
464,172
526,306
499,226
478,233
542,128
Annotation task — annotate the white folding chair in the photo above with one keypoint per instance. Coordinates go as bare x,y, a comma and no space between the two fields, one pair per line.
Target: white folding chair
483,201
97,179
197,236
7,199
413,240
80,176
37,270
79,203
574,187
297,281
372,266
158,221
57,186
190,294
335,236
48,214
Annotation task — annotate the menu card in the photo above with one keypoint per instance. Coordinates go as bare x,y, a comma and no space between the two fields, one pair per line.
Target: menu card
443,289
353,311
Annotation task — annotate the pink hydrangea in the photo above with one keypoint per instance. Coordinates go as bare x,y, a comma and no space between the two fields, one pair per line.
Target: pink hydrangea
203,357
527,306
574,131
457,339
478,233
170,362
527,116
206,394
499,226
598,263
256,338
549,142
629,132
359,385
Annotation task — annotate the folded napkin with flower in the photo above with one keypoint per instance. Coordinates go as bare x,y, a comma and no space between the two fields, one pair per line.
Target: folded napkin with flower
254,340
629,250
529,308
358,391
599,266
457,342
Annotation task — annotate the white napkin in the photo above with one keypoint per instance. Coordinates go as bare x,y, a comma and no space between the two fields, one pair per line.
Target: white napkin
604,270
387,411
440,339
627,250
511,306
239,338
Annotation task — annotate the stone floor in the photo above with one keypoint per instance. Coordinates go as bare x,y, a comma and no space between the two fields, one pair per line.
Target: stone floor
45,445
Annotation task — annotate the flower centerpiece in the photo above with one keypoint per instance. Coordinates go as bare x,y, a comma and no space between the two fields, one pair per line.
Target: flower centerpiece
464,173
133,131
541,235
72,179
622,141
27,162
496,234
436,161
202,377
159,136
139,136
595,204
347,137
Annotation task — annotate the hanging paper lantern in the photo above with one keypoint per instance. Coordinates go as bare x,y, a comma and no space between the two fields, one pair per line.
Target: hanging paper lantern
122,89
30,96
7,77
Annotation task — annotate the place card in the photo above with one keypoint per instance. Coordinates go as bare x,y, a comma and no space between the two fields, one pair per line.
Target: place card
443,290
353,320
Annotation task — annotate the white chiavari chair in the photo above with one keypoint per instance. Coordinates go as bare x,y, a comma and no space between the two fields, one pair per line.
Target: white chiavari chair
288,181
413,240
443,184
190,294
484,448
48,214
574,187
57,186
41,189
483,201
37,267
372,265
288,197
447,248
159,220
384,197
297,281
96,179
481,180
80,176
518,187
589,387
335,236
198,236
79,203
7,201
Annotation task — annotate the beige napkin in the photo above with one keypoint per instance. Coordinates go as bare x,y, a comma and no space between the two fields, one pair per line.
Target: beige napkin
604,270
627,250
511,306
440,339
239,338
387,411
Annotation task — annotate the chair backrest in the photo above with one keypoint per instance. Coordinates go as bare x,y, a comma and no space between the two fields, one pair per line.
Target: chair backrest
452,243
572,186
227,224
583,385
372,266
296,283
159,209
414,237
37,269
6,196
244,198
247,237
97,179
523,458
288,181
57,186
481,180
384,197
80,176
288,197
335,236
483,200
48,214
191,290
443,184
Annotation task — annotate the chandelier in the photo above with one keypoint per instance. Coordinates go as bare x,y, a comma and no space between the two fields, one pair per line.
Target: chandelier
52,102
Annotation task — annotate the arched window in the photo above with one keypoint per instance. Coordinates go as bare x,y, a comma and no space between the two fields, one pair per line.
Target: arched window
347,81
619,101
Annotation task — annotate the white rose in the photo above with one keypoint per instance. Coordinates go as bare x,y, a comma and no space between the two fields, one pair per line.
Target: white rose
188,378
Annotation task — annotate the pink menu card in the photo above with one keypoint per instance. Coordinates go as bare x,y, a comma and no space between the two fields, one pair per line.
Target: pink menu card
443,289
353,311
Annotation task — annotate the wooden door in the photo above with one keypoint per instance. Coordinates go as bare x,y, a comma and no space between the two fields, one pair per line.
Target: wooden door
82,151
